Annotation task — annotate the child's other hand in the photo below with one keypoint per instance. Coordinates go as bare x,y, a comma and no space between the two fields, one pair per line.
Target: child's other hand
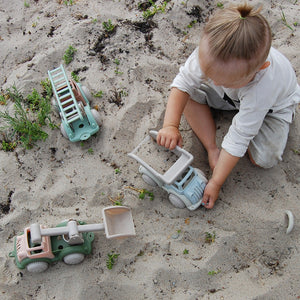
169,137
211,194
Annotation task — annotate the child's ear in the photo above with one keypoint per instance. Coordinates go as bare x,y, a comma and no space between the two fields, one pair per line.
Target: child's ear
265,65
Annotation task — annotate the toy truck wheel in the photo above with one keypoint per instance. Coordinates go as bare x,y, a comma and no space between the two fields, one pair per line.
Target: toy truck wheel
96,116
201,175
176,201
149,180
87,93
63,131
37,267
74,258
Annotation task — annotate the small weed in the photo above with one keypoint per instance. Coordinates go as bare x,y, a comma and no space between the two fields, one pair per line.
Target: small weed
98,94
27,130
111,260
142,192
69,2
24,126
75,76
192,24
117,171
118,72
117,200
296,151
3,99
8,146
220,5
26,4
284,20
94,21
69,55
214,272
90,151
210,237
153,9
185,251
117,61
108,26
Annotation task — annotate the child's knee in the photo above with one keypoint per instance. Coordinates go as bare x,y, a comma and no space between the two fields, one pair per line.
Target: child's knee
264,160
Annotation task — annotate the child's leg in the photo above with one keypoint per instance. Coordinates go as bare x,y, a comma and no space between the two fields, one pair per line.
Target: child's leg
266,149
200,119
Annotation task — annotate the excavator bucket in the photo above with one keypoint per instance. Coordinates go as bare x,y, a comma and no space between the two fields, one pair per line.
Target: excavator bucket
118,222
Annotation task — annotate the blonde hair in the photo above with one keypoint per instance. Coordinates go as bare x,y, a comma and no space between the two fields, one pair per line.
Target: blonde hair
239,32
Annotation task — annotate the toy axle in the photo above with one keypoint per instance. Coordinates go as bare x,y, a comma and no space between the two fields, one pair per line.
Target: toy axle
72,230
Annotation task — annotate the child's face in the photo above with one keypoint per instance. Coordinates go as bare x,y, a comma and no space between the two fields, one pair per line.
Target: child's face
232,74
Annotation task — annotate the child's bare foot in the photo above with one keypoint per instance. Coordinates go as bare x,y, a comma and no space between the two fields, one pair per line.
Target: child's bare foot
213,156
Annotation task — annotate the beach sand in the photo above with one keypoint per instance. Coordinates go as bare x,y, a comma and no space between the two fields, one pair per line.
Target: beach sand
250,255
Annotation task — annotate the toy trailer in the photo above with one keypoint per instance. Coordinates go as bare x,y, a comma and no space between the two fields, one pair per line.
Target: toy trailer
184,184
70,241
79,121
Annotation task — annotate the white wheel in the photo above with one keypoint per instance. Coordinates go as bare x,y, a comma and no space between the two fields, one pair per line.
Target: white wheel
63,131
149,180
176,201
96,116
87,93
37,267
74,258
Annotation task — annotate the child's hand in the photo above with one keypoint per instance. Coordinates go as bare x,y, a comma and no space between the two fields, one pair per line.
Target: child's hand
169,137
211,193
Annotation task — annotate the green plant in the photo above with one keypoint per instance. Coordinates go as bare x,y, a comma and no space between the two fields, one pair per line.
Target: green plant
117,171
25,125
111,260
90,151
28,131
69,2
210,237
153,9
69,55
8,146
284,20
296,151
213,272
108,26
220,5
185,251
98,94
26,4
142,192
3,100
75,76
191,24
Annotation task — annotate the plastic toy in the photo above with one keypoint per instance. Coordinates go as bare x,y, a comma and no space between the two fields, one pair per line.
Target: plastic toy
289,221
70,241
79,121
184,184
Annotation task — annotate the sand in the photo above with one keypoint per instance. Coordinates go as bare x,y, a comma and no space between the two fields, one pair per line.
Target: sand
171,257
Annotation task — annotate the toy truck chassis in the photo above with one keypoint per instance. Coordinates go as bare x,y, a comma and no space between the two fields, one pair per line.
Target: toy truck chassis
184,184
69,241
79,121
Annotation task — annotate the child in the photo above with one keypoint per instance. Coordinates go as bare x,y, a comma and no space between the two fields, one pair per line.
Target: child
234,67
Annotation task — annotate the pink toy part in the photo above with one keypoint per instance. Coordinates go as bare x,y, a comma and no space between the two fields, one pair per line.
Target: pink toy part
118,222
40,251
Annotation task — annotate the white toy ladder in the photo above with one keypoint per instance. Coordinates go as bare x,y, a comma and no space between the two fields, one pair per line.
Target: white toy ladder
67,103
